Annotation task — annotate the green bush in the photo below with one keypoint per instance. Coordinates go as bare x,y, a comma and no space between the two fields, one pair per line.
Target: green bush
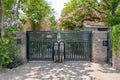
8,47
15,62
115,35
4,52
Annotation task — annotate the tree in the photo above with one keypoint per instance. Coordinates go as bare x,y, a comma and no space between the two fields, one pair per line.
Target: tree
77,11
8,48
36,11
110,6
8,14
112,10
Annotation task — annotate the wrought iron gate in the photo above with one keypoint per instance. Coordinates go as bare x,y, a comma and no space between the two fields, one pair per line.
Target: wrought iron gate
77,44
109,49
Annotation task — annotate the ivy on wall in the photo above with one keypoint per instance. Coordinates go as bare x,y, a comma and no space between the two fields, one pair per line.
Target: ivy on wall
115,35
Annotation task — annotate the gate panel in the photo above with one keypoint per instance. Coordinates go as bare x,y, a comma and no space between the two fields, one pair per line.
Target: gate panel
78,45
40,44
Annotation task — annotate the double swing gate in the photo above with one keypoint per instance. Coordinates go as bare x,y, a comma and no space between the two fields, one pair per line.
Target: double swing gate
59,46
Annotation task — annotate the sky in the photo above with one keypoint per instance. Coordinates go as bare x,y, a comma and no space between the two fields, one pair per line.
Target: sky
58,5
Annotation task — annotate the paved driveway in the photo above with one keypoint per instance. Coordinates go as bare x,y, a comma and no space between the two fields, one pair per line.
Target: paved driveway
69,70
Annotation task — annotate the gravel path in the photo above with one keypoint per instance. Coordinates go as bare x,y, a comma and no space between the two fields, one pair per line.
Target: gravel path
68,70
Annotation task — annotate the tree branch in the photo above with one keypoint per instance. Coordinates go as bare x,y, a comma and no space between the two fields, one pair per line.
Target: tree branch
18,6
99,11
15,15
115,7
106,2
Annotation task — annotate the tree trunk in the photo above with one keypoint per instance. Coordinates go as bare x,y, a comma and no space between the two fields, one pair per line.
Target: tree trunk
115,7
34,26
2,20
15,15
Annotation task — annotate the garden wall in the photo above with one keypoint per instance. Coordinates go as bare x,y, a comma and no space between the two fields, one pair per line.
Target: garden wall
116,61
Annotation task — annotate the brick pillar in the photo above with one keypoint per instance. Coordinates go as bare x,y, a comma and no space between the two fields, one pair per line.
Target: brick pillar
99,52
21,41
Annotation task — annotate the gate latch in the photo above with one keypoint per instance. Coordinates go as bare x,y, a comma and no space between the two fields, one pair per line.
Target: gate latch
105,43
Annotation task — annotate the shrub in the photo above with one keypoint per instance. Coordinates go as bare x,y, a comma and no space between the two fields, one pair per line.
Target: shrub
8,47
15,62
115,35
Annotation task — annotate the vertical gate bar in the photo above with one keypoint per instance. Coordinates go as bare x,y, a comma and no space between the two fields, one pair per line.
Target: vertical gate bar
75,50
27,47
86,50
90,46
44,50
39,48
47,47
72,53
83,50
79,49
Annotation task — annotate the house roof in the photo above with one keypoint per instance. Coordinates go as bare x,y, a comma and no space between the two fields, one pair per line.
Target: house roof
93,23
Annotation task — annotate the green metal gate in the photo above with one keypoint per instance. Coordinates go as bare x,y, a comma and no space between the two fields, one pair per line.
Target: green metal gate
77,44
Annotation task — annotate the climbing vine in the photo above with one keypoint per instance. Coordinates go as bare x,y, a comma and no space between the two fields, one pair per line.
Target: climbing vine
115,35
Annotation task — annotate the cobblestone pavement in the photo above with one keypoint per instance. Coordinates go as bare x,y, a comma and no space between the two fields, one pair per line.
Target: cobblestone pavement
68,70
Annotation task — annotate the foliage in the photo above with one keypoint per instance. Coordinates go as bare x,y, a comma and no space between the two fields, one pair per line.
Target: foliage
15,62
9,4
53,23
74,4
109,6
8,14
77,11
36,11
115,35
9,11
112,20
4,54
8,47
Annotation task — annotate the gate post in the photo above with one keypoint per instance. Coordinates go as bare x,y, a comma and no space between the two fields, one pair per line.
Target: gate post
61,51
55,51
21,43
99,51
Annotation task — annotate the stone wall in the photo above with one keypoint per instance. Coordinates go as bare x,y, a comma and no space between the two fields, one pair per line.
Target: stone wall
99,52
116,61
21,41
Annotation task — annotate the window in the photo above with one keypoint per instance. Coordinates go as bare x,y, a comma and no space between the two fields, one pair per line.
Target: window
102,29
